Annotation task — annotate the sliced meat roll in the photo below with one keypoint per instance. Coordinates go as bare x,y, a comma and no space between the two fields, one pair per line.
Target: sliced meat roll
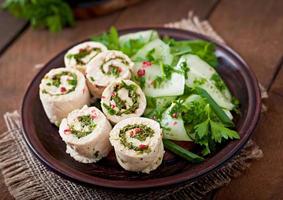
86,133
61,91
138,144
80,55
122,99
105,68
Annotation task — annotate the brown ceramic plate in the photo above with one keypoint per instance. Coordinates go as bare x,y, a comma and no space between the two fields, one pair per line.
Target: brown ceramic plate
44,140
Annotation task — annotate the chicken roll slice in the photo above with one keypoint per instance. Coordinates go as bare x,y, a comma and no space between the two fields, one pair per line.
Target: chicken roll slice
86,133
105,68
123,99
138,144
78,56
61,91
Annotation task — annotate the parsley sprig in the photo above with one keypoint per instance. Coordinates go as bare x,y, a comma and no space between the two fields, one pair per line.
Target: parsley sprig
53,14
206,122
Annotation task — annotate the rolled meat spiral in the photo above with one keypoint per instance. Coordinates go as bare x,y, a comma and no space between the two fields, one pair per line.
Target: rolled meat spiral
62,90
123,99
86,133
80,55
138,144
105,68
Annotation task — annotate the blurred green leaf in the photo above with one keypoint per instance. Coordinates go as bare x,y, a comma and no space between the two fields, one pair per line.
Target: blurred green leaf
51,14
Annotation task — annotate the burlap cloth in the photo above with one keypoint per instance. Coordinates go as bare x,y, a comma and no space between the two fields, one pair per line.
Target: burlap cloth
27,178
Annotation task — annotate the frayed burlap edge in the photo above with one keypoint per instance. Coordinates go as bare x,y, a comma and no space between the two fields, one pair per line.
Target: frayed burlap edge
26,178
13,162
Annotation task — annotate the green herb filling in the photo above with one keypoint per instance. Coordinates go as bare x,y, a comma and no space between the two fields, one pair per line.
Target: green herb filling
143,133
87,126
82,54
56,81
120,104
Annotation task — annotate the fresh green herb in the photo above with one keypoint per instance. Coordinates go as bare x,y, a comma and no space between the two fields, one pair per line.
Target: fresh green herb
171,146
219,83
139,80
157,82
150,56
205,50
151,102
131,47
178,108
209,132
219,132
53,14
156,106
166,74
168,40
109,39
185,69
202,121
206,125
218,111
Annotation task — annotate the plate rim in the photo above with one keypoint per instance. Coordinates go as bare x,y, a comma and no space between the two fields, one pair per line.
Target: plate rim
149,183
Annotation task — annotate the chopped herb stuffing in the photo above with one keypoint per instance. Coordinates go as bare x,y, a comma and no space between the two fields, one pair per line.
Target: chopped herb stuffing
138,131
56,82
87,125
113,70
82,54
121,107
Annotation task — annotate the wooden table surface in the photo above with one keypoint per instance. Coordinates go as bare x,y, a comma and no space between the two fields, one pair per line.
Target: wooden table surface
254,28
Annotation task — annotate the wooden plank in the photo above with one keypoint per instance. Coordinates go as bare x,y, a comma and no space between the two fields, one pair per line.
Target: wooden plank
10,28
32,48
159,12
264,179
37,47
254,29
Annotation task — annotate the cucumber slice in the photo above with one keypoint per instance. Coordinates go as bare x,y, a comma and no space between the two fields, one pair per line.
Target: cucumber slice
173,128
204,70
173,87
161,52
142,36
200,74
